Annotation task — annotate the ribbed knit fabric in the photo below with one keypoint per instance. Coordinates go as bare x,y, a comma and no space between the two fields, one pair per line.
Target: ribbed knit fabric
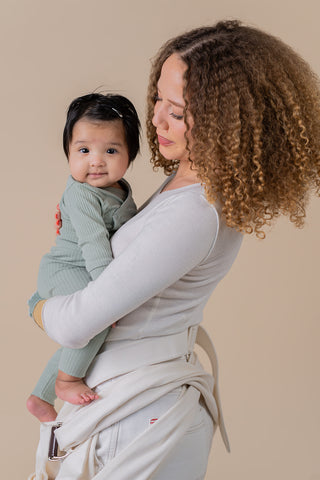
89,218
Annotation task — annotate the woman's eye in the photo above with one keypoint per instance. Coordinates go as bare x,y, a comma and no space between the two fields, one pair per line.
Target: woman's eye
111,151
84,150
177,117
157,98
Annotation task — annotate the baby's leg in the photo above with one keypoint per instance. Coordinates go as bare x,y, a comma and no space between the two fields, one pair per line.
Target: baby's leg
40,403
60,279
73,366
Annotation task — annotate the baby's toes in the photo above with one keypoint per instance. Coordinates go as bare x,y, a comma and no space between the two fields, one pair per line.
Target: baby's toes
85,398
93,395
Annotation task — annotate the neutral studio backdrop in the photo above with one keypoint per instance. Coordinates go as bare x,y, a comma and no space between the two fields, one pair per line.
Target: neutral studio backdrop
264,317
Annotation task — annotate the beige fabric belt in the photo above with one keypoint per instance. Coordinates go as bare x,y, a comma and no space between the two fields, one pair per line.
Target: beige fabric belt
121,357
124,356
205,342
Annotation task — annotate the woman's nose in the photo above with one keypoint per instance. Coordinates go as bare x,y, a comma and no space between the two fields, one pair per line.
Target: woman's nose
159,119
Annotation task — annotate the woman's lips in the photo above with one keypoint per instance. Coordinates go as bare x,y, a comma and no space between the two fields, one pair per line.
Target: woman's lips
164,141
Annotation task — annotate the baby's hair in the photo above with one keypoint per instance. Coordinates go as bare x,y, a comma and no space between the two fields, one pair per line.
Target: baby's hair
97,107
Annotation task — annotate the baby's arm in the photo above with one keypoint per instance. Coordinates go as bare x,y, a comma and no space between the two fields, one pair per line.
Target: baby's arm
85,212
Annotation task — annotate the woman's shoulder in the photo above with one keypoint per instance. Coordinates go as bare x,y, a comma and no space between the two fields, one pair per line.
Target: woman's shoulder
190,205
181,210
190,198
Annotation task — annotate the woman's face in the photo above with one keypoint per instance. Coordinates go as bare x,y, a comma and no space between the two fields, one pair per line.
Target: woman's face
168,110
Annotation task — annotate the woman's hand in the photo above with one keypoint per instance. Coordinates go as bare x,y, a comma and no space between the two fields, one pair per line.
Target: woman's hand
58,219
36,315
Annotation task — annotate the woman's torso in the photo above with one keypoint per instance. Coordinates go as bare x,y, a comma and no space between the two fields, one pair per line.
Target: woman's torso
181,304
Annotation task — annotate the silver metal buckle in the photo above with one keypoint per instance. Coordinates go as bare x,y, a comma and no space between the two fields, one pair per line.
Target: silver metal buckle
54,447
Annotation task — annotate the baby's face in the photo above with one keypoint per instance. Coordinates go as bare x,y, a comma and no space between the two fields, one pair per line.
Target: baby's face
98,153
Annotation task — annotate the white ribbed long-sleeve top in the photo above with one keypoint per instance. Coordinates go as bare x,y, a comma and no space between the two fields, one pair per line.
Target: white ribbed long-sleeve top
167,261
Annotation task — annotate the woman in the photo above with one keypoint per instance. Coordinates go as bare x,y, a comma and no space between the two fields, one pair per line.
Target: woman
234,116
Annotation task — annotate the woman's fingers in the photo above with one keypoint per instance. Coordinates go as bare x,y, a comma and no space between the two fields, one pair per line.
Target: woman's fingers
58,219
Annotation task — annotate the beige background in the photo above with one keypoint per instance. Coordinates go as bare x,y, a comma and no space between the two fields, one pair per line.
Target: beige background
264,317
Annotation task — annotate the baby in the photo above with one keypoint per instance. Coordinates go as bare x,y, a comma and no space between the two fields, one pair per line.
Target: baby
100,140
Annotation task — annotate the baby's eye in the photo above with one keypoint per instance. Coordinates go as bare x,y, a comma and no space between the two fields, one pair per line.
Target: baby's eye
84,150
112,151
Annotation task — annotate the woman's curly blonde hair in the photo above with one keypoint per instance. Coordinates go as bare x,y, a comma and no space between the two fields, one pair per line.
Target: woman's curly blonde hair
256,110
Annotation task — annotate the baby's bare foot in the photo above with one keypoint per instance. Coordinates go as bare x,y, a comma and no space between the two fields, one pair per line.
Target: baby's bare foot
44,411
74,391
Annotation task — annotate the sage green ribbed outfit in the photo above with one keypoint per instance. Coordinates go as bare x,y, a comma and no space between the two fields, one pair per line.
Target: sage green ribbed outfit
89,216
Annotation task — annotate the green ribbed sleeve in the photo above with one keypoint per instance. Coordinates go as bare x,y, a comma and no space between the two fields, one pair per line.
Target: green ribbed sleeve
86,216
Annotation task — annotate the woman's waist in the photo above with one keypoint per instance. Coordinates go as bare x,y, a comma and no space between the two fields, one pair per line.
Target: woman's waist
123,356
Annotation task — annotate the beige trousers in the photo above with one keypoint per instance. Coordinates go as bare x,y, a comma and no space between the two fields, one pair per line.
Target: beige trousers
149,422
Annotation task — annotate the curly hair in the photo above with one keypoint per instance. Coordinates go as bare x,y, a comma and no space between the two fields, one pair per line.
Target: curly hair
256,134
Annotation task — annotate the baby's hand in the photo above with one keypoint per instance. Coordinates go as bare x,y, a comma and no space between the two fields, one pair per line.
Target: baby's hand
58,220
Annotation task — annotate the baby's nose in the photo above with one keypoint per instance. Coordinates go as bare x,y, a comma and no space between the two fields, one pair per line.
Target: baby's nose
97,159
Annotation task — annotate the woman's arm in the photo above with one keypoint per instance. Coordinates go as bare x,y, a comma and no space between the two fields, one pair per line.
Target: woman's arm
177,237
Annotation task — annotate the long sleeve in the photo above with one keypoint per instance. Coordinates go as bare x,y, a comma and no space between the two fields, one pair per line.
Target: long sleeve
86,217
176,235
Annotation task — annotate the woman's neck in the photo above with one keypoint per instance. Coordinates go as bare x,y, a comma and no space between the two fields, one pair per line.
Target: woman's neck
183,177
